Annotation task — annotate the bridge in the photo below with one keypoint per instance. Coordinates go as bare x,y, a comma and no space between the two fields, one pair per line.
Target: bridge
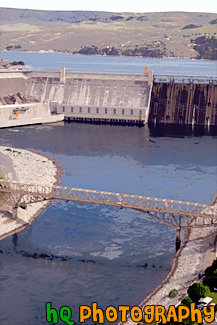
177,214
185,79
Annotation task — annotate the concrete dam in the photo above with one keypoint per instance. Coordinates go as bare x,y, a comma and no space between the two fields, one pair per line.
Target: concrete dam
118,98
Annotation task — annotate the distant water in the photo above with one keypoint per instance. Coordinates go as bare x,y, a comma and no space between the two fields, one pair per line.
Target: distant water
88,63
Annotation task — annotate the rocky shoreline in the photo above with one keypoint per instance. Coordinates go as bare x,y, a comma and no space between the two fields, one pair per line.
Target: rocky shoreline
28,167
116,55
196,254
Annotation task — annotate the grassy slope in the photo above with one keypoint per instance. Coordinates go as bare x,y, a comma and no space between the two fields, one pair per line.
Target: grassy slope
68,31
213,295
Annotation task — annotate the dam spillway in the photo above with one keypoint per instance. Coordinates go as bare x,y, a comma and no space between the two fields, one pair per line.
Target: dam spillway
119,98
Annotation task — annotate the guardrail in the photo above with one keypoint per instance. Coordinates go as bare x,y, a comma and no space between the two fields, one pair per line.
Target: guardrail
183,79
136,202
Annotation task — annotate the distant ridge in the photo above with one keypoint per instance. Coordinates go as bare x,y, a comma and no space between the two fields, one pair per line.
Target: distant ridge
166,34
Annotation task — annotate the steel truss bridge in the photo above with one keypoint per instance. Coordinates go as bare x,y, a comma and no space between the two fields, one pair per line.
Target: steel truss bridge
177,214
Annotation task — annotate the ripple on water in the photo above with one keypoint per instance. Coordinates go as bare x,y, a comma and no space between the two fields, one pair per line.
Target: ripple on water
75,253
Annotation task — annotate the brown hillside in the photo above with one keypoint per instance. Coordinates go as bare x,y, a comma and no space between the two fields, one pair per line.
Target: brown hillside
167,33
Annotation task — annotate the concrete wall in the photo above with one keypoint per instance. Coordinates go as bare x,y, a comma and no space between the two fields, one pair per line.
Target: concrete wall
12,86
93,91
184,104
26,114
111,114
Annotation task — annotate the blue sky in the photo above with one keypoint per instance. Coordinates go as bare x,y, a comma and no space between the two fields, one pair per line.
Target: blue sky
116,5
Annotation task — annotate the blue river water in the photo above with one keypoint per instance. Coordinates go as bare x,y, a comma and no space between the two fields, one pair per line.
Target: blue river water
75,254
88,63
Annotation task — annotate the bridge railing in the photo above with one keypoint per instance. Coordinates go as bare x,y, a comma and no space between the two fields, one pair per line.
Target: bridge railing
135,201
206,80
110,198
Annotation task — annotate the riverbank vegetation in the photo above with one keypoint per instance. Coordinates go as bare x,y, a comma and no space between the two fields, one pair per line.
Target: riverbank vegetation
207,287
17,63
202,289
154,50
206,47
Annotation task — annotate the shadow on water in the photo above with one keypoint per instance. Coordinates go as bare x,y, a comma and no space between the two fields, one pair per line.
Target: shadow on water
181,131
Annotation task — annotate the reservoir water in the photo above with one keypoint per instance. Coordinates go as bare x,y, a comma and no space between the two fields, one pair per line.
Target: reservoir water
76,254
88,63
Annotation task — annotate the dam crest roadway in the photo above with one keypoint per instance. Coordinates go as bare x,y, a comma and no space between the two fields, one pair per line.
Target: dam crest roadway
177,214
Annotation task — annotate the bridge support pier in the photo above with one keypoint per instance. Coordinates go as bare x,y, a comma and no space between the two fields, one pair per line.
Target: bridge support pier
15,212
178,239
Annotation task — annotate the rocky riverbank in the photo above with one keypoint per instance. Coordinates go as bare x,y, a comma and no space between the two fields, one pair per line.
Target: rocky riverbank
196,254
26,167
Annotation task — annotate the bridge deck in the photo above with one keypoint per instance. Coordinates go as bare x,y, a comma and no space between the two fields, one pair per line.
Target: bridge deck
178,214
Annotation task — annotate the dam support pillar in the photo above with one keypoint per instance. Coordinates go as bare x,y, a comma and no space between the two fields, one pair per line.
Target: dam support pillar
15,212
150,84
63,75
178,238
